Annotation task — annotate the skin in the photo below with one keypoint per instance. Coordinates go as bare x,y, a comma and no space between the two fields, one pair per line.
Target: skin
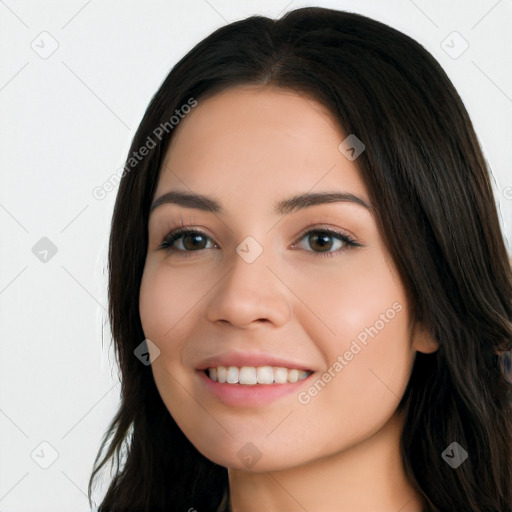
249,147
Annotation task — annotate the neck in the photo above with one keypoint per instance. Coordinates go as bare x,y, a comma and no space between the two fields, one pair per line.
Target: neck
367,477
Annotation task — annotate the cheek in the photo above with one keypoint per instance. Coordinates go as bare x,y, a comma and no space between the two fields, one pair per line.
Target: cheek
361,388
157,305
166,300
166,312
362,293
364,334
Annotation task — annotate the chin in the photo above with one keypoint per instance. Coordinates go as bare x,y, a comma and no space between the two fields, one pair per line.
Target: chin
250,458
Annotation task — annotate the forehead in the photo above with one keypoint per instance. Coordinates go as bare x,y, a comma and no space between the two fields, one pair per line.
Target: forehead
254,141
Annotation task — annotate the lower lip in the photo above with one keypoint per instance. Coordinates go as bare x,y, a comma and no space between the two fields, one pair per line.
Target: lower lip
242,395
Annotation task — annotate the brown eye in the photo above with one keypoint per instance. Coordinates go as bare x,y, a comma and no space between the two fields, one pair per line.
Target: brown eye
320,241
185,241
193,241
324,240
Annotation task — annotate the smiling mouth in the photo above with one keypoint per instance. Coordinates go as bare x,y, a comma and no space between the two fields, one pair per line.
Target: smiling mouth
252,375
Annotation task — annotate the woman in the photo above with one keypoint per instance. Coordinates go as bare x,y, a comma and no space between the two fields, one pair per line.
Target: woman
305,247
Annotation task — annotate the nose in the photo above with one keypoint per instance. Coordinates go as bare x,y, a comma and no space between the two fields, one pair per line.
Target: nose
248,295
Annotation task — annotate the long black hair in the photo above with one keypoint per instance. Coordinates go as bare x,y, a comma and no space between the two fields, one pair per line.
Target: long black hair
425,174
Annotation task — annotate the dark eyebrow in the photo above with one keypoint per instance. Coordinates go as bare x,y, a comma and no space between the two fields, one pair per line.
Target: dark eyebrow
301,201
298,202
188,200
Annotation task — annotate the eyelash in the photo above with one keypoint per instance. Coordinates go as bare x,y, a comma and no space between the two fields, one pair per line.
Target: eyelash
175,235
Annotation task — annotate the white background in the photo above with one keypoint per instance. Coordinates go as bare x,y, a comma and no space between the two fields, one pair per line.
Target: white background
66,122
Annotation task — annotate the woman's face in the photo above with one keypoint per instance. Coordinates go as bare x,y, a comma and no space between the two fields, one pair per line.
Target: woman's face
264,285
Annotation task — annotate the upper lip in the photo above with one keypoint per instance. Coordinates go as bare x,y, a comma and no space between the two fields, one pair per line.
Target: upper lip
241,359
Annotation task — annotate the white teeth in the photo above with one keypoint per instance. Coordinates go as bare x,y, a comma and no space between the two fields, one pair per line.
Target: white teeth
221,374
293,375
232,375
265,375
250,375
281,375
247,376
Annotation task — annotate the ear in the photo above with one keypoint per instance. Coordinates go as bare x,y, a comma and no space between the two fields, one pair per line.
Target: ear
422,340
